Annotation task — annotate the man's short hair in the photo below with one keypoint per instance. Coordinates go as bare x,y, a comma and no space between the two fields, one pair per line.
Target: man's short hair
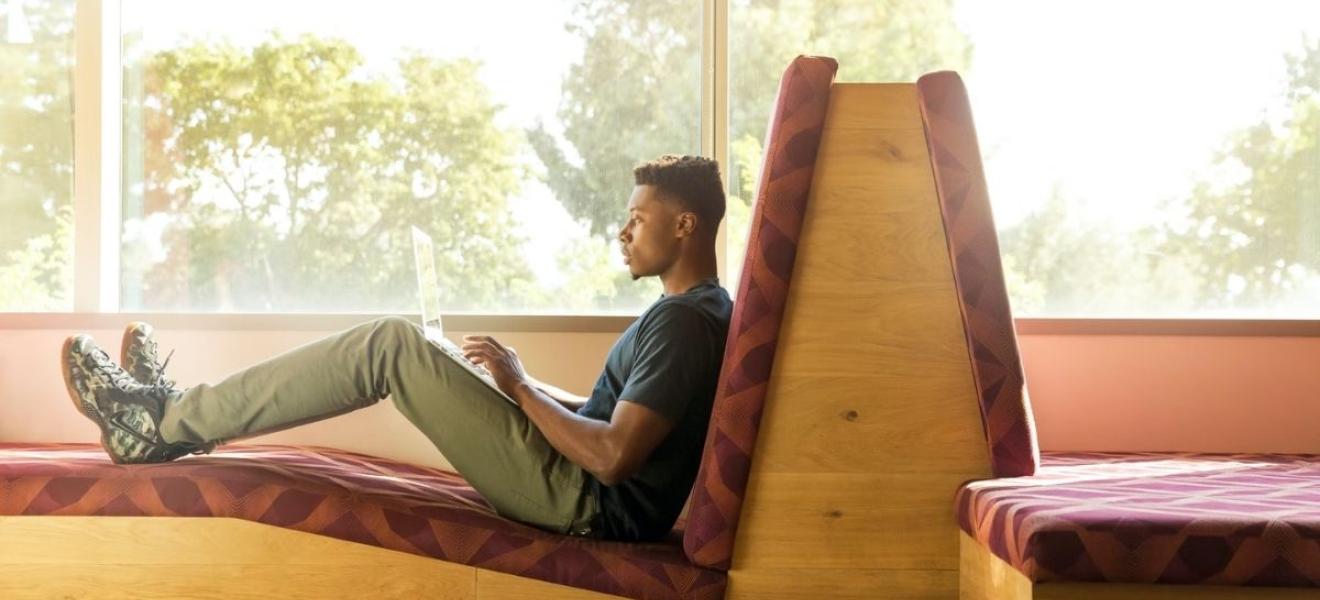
693,181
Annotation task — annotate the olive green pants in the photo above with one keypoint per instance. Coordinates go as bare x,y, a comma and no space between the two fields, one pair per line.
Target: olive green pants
487,439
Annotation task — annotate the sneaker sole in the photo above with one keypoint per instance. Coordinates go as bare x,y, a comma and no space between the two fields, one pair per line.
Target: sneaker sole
92,413
124,342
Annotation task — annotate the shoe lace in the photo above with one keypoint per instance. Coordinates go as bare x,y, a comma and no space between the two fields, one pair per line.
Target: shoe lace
118,376
157,367
162,388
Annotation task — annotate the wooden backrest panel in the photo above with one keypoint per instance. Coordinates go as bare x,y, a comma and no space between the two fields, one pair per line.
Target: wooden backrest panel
871,420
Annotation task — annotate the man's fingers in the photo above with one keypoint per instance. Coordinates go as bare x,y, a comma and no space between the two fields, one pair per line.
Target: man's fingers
483,350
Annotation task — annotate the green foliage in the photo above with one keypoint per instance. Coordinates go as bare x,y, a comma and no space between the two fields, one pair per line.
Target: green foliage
36,277
1058,263
1246,237
36,161
287,174
634,94
886,40
1255,228
294,176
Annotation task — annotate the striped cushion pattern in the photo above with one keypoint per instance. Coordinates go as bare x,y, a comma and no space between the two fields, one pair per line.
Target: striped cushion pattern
1208,519
344,495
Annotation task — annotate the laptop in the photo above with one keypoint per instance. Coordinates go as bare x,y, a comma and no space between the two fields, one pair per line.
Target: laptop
429,294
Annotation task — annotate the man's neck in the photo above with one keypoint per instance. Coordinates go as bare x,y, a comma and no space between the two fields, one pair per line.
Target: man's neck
685,274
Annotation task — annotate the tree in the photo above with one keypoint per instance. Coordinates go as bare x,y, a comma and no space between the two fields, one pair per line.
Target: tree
1257,236
634,94
291,177
36,161
1058,263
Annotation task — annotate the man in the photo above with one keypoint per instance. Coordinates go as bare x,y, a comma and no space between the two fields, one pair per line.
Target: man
617,465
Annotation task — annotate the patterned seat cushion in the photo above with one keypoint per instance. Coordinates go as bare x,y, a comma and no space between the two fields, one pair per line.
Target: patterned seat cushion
1241,519
347,496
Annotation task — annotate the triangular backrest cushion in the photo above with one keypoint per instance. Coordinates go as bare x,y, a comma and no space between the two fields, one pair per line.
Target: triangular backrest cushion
792,140
969,228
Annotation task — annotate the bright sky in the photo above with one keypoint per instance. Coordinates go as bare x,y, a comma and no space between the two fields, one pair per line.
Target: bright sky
1121,103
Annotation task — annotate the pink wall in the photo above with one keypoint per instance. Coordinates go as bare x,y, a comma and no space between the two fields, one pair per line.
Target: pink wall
34,406
1195,393
1090,392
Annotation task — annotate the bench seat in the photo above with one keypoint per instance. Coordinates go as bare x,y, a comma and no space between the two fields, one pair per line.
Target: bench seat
1166,518
344,495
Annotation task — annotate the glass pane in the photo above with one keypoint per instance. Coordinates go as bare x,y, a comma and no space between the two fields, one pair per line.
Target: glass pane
36,155
275,156
1138,178
896,40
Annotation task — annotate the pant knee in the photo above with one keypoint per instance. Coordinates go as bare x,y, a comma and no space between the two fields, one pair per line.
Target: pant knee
393,327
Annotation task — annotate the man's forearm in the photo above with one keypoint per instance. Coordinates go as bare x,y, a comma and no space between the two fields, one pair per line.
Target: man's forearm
584,441
568,400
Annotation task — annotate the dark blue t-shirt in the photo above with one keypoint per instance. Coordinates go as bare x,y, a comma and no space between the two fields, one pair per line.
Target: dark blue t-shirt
669,361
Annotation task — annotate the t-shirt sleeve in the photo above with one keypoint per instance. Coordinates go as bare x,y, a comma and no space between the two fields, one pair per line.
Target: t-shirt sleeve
674,361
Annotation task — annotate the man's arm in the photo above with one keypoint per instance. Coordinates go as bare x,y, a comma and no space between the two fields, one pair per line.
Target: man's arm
570,401
611,451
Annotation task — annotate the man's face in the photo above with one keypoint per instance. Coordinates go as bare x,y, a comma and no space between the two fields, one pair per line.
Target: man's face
650,238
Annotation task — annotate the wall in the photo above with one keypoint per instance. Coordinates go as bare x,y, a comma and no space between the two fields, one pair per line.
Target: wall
35,407
1090,392
1195,393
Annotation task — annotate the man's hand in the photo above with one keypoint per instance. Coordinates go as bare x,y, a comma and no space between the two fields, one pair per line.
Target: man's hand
501,361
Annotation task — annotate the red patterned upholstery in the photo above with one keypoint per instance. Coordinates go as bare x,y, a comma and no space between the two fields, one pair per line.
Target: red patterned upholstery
781,201
1136,518
342,495
974,249
1246,519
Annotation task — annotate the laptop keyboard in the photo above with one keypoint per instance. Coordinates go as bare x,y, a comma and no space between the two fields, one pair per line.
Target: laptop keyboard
456,353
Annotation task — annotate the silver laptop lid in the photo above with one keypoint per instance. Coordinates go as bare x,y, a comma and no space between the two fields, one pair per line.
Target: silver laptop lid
428,289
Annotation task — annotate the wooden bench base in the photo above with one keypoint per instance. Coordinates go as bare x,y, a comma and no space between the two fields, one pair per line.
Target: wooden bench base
186,557
984,576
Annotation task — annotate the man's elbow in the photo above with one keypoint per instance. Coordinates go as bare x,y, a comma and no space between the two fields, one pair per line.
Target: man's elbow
613,470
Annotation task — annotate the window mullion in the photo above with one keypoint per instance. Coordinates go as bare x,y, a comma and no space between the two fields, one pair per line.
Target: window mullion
87,78
714,104
111,143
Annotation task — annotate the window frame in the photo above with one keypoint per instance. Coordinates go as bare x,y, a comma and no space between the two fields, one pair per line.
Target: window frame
97,87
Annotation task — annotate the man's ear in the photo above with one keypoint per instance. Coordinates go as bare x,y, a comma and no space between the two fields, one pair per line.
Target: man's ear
687,224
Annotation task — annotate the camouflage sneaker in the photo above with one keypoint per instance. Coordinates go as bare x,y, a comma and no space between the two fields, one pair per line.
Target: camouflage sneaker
137,354
126,411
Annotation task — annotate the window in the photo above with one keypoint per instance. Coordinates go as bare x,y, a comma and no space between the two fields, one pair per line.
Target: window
1139,163
274,157
873,41
36,155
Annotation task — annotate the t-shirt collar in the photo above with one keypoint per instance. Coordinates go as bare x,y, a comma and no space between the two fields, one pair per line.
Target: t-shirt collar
700,285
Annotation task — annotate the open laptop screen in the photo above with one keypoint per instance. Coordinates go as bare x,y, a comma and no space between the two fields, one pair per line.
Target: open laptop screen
427,289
